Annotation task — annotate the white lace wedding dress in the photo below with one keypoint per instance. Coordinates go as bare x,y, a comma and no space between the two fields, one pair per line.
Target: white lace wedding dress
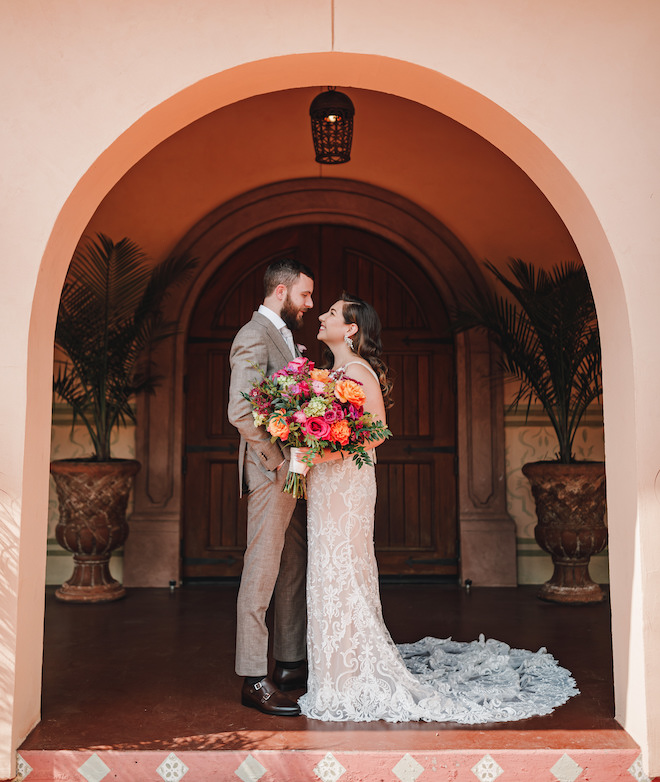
357,673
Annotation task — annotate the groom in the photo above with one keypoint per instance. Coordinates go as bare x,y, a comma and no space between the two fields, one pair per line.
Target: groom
275,556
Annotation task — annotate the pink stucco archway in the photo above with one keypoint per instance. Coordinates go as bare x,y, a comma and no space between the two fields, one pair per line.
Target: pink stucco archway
379,74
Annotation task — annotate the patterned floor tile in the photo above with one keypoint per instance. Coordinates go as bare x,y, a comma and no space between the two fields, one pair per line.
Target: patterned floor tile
407,769
94,769
566,769
172,769
487,770
637,771
250,770
23,768
329,769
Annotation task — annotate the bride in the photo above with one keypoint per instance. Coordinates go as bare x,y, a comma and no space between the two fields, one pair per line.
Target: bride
356,672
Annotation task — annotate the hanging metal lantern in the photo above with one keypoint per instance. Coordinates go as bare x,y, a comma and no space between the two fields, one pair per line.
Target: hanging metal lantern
332,126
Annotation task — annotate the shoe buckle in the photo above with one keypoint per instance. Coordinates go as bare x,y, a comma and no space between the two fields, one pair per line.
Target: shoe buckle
265,695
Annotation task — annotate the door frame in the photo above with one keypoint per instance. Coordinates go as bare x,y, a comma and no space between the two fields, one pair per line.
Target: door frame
487,533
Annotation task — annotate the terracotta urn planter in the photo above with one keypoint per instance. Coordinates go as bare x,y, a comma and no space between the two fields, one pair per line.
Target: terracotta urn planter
570,508
92,499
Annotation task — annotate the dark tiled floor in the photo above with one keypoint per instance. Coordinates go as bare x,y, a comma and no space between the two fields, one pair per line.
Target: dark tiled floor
155,670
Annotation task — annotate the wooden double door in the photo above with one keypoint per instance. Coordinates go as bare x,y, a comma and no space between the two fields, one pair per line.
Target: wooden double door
416,514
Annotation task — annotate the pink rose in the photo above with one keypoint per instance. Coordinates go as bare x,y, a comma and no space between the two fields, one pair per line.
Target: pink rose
296,364
318,386
333,414
299,417
317,428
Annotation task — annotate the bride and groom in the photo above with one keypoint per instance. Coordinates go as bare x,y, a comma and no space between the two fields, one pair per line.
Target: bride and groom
329,636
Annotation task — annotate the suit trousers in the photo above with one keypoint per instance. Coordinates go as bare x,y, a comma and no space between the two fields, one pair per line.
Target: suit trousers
273,568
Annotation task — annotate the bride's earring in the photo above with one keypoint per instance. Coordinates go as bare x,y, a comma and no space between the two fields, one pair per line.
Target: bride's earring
348,341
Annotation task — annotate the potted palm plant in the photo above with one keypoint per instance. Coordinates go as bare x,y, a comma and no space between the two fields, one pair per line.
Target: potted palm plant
547,332
110,315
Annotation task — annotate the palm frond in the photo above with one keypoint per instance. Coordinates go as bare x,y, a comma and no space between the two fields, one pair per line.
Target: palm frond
110,315
547,332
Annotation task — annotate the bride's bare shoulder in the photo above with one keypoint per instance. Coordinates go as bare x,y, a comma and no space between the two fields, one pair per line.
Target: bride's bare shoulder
360,370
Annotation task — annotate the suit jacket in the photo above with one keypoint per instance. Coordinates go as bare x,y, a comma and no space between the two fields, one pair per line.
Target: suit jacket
258,342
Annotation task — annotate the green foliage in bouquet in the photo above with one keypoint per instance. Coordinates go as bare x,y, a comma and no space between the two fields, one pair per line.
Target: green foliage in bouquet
320,410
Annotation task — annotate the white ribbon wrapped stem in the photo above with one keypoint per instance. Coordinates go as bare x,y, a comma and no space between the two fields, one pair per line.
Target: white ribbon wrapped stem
296,464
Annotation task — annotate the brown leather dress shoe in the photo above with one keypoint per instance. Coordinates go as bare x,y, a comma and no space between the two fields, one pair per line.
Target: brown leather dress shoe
265,697
286,679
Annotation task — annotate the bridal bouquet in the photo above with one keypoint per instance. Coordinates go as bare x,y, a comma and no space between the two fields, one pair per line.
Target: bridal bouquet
318,409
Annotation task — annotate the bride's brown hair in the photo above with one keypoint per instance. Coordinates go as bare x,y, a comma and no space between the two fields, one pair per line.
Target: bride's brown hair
366,341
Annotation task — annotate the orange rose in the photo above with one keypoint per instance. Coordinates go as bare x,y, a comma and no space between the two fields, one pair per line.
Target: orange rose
350,391
320,374
278,427
340,432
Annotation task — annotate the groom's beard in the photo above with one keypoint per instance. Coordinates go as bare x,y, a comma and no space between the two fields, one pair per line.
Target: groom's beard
290,314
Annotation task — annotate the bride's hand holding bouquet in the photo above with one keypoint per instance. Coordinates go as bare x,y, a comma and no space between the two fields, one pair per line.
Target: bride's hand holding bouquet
314,411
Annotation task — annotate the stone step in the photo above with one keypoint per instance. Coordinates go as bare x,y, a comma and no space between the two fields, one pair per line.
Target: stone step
476,764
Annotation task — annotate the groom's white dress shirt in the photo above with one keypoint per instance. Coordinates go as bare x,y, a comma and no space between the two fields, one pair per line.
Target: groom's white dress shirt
280,325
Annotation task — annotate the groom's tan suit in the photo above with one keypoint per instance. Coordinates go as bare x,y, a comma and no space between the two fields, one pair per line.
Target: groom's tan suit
276,543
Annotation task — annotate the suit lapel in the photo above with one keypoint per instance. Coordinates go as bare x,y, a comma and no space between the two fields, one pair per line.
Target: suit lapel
275,335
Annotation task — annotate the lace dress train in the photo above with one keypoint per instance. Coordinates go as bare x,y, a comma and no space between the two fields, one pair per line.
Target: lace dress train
357,673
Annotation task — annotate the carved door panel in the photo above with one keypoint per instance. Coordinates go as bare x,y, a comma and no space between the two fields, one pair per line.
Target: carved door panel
416,517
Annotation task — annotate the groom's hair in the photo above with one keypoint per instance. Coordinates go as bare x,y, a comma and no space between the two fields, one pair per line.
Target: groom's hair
284,271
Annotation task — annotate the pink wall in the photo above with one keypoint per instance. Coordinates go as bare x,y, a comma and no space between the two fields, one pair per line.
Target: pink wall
568,91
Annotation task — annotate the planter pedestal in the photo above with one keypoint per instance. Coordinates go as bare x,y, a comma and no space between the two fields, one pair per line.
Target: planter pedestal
91,581
570,508
92,499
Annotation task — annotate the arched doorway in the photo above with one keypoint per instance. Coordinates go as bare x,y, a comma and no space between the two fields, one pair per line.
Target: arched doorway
486,534
416,524
576,198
